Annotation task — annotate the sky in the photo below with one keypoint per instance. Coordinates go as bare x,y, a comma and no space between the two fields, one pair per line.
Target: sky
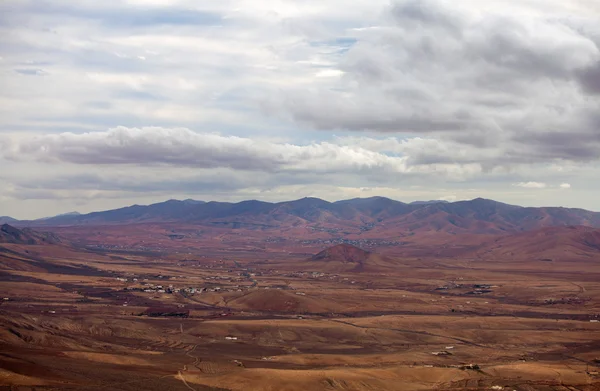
108,104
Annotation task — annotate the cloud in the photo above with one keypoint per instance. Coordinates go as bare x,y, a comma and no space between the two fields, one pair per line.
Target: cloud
313,98
590,79
208,63
182,147
565,186
430,150
520,82
531,185
30,71
152,160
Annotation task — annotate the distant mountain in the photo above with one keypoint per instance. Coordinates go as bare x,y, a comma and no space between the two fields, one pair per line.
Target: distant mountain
7,219
375,216
10,234
74,213
191,201
377,207
62,215
170,210
488,216
428,202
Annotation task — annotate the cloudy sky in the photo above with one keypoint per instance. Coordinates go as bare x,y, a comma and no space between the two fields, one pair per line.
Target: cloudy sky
107,104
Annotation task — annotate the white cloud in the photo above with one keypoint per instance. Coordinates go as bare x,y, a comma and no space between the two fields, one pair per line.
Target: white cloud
330,73
181,147
449,198
531,185
565,186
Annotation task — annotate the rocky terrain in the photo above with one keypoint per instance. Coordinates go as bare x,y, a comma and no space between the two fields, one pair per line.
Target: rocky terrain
364,305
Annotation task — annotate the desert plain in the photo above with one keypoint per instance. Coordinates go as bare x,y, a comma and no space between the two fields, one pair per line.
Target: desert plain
165,306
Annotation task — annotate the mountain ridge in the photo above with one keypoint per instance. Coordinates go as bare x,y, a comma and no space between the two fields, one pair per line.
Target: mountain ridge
7,219
10,234
365,214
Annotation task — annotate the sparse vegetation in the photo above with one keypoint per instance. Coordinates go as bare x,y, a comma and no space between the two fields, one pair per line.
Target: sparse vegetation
295,316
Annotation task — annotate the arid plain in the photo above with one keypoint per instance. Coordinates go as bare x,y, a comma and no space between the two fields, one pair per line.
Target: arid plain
441,301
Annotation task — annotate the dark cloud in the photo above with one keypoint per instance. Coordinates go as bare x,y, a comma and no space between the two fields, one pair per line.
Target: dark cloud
428,15
577,146
481,79
154,146
514,48
335,112
589,78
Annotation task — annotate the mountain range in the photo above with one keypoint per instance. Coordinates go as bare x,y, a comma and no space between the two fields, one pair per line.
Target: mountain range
365,214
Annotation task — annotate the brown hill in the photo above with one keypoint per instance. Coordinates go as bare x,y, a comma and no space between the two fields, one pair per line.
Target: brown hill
276,300
10,234
550,244
348,258
47,258
342,253
33,251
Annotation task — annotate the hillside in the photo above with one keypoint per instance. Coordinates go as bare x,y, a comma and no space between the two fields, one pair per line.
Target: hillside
275,300
347,258
10,234
376,216
6,220
547,244
342,253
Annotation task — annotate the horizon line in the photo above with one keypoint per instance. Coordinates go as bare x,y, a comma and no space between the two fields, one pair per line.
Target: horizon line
425,203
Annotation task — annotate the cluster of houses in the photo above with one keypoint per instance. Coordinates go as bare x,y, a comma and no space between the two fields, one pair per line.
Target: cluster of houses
567,300
210,286
450,285
304,274
359,243
151,288
480,289
220,264
242,277
112,247
477,289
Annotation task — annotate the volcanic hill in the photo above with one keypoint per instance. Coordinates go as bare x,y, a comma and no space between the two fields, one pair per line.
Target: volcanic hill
348,258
